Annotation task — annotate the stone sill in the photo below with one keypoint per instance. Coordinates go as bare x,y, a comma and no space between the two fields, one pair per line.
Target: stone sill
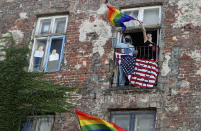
130,89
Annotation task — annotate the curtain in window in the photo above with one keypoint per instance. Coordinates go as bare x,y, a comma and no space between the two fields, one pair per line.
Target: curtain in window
27,126
44,124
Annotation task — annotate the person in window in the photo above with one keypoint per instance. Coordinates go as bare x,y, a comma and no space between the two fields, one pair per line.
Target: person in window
128,49
148,51
53,61
54,56
38,56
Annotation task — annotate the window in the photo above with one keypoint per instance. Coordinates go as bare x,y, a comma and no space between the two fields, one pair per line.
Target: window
38,124
134,121
49,39
149,50
149,15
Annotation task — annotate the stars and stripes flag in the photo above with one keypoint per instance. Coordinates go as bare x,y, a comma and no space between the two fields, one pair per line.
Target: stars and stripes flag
140,72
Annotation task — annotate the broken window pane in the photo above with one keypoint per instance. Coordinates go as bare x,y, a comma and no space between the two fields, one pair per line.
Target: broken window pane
45,26
151,16
39,53
60,25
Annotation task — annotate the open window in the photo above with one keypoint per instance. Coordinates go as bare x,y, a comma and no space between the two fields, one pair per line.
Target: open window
49,39
151,17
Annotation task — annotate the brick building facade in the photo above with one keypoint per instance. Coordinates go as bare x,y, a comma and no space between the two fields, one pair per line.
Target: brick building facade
87,59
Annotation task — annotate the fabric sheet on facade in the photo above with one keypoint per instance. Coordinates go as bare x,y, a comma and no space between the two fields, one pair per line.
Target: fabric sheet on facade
145,71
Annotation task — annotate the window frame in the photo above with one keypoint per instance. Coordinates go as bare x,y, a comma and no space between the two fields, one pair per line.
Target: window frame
51,25
141,13
35,119
132,115
37,35
48,52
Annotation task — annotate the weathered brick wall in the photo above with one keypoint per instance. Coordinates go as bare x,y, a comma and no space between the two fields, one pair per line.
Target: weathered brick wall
88,58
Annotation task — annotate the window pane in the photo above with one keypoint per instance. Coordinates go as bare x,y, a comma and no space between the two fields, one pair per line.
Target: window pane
133,14
45,26
151,16
122,121
44,124
27,126
38,57
54,54
144,122
60,25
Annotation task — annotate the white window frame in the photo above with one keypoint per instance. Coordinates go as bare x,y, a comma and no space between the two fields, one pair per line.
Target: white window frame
37,36
141,12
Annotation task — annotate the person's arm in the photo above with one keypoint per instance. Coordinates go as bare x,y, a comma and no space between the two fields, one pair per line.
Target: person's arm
143,30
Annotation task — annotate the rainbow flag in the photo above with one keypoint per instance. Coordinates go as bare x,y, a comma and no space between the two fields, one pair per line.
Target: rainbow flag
91,123
117,18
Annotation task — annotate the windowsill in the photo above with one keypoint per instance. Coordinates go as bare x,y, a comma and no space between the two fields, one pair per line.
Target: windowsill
51,34
131,89
138,28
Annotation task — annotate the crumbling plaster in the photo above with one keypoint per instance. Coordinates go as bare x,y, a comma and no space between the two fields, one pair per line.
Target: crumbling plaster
165,68
188,12
99,27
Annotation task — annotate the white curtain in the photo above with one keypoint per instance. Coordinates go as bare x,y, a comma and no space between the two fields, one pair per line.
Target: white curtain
44,124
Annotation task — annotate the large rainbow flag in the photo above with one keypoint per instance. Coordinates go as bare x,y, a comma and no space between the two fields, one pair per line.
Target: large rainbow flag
117,17
91,123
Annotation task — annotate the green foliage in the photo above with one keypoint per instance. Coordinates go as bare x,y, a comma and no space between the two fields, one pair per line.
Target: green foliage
25,93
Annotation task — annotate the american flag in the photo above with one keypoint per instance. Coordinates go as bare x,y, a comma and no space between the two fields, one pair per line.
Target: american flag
140,72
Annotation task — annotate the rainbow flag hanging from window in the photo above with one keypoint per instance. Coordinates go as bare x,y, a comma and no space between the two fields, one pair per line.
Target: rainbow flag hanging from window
117,17
91,123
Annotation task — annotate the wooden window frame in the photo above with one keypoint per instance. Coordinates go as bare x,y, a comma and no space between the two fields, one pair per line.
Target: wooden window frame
48,36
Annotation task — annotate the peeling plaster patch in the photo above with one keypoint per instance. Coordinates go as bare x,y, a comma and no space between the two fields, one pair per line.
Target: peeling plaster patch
196,55
185,35
102,10
77,67
199,72
144,99
174,92
106,62
18,35
174,38
10,0
23,15
101,28
189,12
84,63
185,84
165,68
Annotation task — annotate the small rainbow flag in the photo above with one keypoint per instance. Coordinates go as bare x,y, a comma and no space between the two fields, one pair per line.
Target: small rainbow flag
91,123
117,18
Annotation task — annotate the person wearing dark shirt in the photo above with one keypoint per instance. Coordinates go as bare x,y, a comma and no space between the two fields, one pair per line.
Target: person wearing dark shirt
149,47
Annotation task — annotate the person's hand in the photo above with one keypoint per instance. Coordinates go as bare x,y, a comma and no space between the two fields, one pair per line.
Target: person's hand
140,22
150,45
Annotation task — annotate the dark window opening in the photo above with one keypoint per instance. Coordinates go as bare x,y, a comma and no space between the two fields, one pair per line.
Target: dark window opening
142,50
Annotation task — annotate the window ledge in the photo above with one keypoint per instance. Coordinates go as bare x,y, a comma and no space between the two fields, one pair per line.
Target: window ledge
138,28
130,89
